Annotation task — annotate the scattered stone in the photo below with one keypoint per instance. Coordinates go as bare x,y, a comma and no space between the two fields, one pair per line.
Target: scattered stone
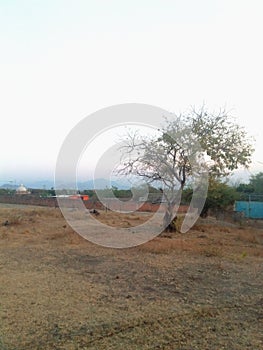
95,212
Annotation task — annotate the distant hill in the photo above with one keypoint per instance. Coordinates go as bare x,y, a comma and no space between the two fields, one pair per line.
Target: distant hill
9,186
46,184
100,184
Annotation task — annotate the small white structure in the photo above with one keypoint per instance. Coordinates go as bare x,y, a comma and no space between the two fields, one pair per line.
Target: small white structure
22,190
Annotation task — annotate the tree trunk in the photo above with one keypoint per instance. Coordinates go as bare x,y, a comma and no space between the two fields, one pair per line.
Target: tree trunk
169,220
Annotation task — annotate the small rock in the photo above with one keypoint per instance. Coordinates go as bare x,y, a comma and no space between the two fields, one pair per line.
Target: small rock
95,212
202,236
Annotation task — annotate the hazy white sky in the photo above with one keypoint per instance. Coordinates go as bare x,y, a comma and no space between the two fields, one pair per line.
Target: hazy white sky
62,60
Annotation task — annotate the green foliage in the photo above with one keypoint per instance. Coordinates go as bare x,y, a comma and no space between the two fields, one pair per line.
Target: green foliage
121,193
42,192
105,193
173,158
112,193
253,190
124,194
186,195
225,145
154,194
245,188
224,141
219,196
5,191
256,182
90,193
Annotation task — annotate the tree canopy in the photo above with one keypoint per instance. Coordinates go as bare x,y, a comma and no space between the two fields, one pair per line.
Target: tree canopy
187,147
224,142
256,182
253,189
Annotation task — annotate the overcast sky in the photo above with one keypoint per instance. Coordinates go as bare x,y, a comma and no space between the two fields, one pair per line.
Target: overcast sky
62,60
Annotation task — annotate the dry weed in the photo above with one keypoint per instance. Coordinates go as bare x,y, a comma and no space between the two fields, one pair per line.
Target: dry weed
255,236
159,246
212,251
14,219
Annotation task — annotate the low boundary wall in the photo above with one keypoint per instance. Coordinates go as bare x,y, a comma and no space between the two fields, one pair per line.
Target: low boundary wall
90,204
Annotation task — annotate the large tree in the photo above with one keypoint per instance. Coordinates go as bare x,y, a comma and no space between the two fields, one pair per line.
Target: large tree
187,147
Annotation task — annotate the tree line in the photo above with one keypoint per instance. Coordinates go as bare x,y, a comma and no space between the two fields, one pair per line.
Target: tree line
221,194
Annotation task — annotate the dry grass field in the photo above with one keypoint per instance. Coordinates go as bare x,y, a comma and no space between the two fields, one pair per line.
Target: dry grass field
199,290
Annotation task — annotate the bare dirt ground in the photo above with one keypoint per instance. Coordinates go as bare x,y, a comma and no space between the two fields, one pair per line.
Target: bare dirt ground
199,290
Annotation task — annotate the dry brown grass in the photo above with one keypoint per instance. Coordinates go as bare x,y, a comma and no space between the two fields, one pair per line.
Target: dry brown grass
115,219
202,289
160,246
253,236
